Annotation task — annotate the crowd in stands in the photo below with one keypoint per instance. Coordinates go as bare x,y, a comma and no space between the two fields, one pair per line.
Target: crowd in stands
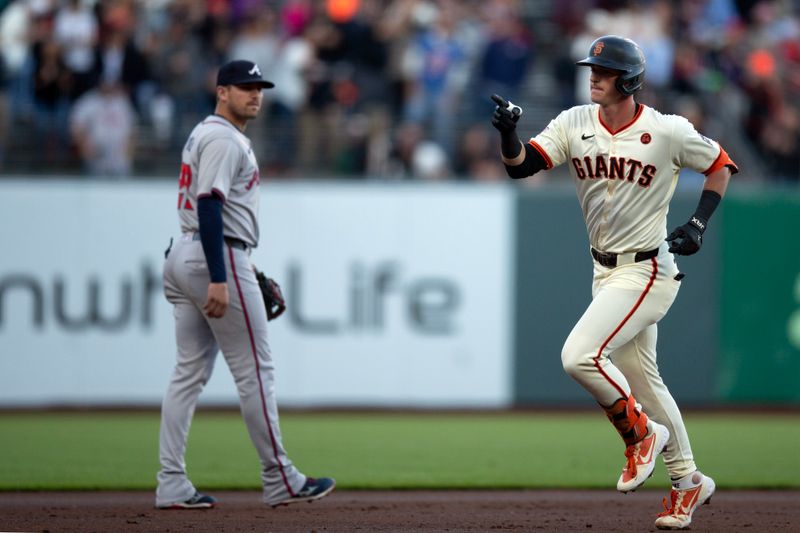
379,89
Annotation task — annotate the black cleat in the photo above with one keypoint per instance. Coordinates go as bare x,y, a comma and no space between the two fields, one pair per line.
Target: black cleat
198,501
314,489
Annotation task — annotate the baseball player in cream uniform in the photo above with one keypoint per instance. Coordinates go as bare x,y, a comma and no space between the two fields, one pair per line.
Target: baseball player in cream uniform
625,158
217,303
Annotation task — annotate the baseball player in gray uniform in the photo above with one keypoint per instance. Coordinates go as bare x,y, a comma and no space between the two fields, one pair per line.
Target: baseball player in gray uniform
624,158
217,301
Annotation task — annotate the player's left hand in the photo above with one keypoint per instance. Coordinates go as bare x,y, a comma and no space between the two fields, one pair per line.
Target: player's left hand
687,239
274,302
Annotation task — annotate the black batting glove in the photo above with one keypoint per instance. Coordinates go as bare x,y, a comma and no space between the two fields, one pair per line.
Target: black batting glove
505,115
687,239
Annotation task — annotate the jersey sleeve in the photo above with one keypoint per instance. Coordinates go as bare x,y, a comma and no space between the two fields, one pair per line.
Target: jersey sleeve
698,152
219,162
551,143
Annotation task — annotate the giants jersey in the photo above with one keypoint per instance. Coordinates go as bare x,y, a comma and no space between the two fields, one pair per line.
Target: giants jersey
625,179
219,158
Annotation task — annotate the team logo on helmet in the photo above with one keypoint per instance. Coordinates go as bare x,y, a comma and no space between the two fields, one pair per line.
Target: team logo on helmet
598,48
646,138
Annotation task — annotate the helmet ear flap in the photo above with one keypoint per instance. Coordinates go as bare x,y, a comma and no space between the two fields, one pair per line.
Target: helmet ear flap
628,85
624,86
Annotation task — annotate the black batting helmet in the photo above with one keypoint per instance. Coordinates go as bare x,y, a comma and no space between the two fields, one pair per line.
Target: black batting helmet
618,53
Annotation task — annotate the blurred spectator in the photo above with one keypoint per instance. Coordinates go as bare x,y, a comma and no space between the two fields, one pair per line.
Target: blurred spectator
320,137
75,31
779,143
429,162
434,63
5,116
295,16
51,87
477,155
395,28
506,56
102,124
288,69
361,84
413,156
650,31
15,29
214,30
570,18
772,81
181,72
118,59
259,40
706,23
407,137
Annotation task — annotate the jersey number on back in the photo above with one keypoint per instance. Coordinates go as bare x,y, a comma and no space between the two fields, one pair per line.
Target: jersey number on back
183,187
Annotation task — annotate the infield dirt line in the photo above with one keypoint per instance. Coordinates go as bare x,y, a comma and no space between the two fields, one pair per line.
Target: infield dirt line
397,511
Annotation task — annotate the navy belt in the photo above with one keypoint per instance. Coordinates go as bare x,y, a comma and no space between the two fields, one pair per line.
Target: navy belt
611,260
230,241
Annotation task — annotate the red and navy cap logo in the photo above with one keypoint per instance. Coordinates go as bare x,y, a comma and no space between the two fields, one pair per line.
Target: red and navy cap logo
598,48
646,138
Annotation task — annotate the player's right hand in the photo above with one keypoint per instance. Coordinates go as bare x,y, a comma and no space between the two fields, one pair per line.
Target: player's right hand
217,300
505,115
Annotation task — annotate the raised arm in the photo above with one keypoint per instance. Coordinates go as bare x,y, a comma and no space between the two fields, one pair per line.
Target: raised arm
520,159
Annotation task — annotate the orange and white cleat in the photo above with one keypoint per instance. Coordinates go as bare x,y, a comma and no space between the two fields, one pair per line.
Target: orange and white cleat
683,502
642,458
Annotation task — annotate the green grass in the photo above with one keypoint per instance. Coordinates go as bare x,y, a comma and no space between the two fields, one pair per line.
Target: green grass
46,451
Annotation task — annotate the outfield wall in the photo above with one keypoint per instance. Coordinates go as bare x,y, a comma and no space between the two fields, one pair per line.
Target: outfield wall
759,358
397,295
400,295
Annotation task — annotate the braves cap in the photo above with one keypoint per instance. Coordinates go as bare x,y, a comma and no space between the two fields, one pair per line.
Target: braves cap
239,72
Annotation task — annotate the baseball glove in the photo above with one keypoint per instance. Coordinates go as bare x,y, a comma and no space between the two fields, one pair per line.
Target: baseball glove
273,297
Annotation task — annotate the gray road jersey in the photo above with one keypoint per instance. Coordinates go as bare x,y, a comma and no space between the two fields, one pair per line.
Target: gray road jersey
218,157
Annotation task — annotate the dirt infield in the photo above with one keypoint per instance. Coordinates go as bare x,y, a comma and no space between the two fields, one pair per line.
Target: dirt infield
398,511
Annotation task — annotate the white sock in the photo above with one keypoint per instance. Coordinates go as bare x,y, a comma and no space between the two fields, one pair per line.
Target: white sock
688,481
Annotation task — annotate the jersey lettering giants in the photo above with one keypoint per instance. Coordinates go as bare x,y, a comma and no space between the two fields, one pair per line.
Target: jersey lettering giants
617,168
625,179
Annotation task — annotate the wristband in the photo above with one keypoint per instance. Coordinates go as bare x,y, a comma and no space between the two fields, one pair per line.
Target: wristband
510,145
709,201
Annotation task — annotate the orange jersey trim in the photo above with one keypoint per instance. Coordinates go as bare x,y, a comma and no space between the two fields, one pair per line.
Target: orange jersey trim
626,126
536,146
722,160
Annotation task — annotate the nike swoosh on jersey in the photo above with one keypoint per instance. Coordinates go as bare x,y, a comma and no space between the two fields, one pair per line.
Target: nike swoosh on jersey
584,136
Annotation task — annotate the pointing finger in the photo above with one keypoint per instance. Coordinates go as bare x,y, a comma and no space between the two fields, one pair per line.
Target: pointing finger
500,101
